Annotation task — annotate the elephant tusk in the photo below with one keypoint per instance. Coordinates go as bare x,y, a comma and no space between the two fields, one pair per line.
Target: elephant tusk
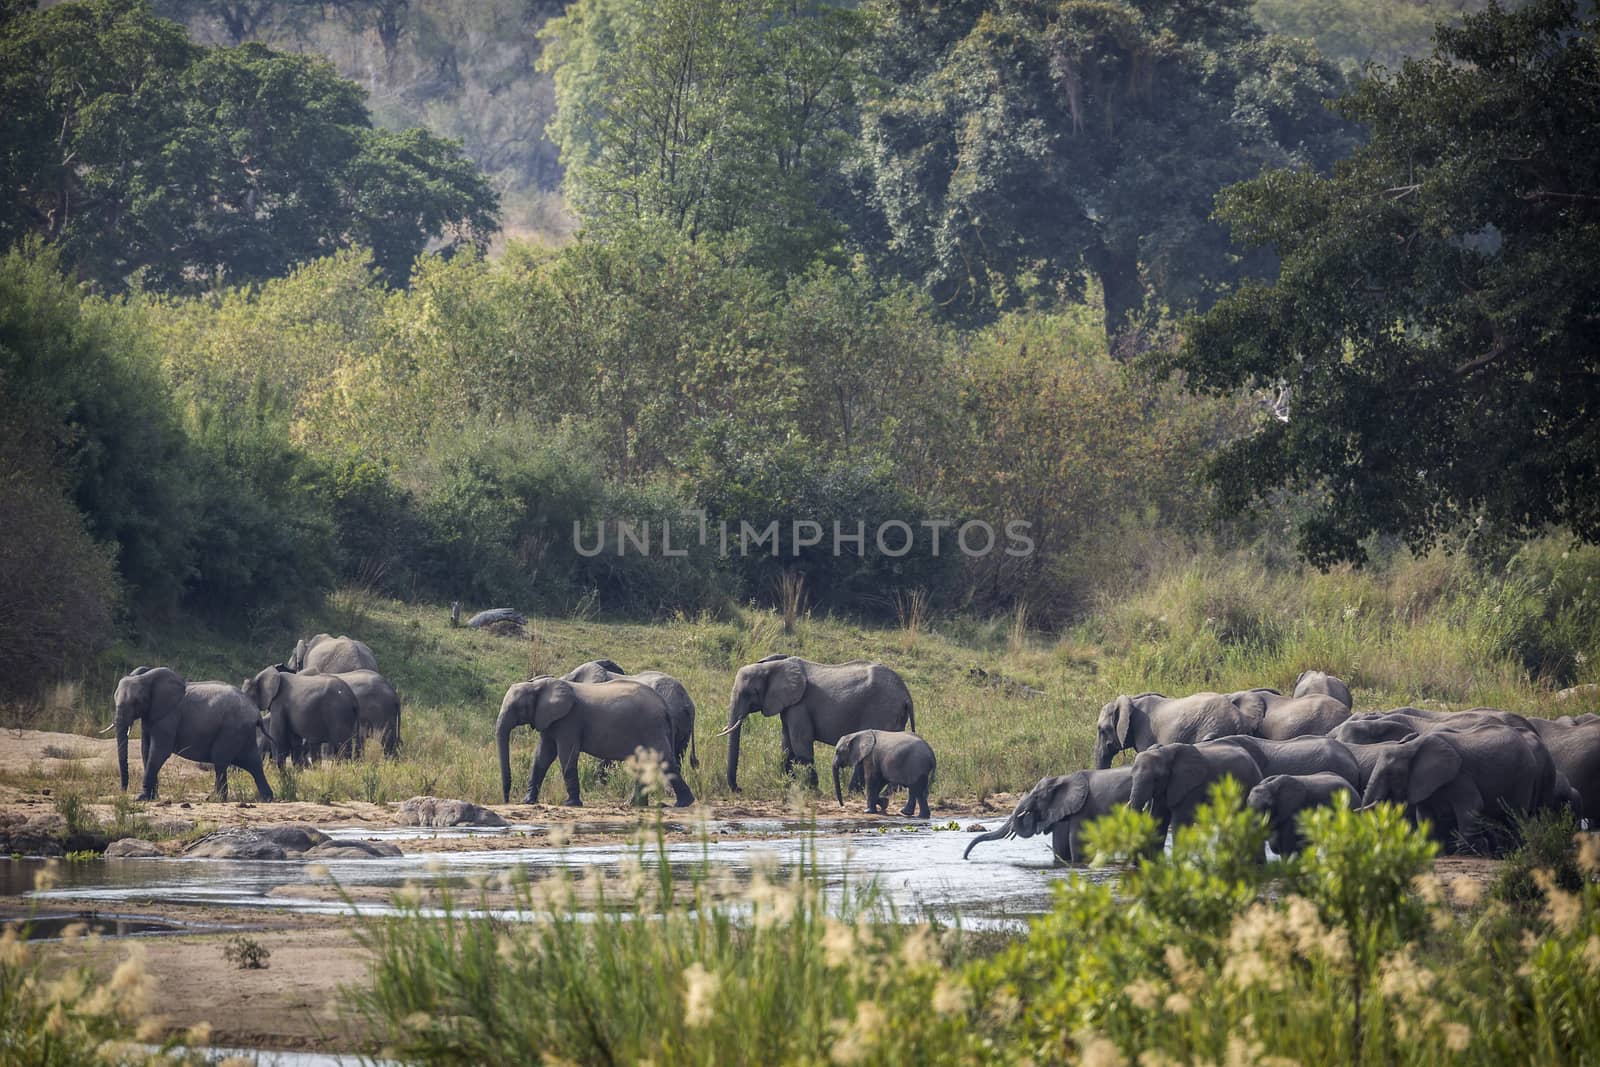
728,730
108,729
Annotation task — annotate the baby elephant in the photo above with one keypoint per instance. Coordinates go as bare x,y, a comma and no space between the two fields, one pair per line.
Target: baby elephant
889,759
1284,796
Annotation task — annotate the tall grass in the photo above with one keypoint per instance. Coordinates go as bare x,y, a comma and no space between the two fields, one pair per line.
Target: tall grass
1351,953
1438,630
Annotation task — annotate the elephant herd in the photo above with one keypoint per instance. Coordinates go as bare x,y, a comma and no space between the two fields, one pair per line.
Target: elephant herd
598,709
1467,773
327,693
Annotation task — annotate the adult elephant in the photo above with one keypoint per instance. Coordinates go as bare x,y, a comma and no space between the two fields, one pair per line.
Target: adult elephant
1320,683
680,705
609,720
1138,722
1458,778
1172,781
208,722
1574,746
1282,797
377,708
1279,718
1378,727
305,710
326,654
815,702
1062,806
1299,755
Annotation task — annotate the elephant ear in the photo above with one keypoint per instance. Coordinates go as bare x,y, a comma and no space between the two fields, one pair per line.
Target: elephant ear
1189,772
165,687
1435,763
1066,800
1124,719
271,684
554,701
610,665
786,684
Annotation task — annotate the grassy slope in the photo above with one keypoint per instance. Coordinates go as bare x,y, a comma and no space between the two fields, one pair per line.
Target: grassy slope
1422,631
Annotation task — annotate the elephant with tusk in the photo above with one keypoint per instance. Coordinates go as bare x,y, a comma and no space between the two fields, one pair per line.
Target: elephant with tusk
815,702
1062,806
208,722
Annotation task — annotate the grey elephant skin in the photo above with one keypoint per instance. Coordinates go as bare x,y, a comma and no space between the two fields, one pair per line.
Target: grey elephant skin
1173,781
1459,778
1062,806
887,758
208,722
326,654
608,720
1282,797
304,711
377,709
1138,722
1320,683
1378,727
1280,718
816,702
680,705
1574,746
1298,755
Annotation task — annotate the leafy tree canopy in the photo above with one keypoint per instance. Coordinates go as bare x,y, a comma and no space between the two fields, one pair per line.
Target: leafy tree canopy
144,156
1436,315
717,118
1021,147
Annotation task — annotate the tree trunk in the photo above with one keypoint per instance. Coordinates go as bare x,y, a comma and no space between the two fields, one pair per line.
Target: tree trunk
1117,268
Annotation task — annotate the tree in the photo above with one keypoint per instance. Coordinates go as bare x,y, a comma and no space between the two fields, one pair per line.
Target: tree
716,118
148,158
1435,318
1354,32
1019,148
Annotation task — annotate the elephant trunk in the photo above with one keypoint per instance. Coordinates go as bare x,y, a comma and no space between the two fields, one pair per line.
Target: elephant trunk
502,737
992,835
735,728
837,794
1103,753
122,749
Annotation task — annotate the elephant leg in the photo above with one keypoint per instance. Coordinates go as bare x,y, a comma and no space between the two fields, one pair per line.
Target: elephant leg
144,748
1061,843
683,797
221,786
543,756
569,775
802,741
254,768
875,785
159,749
910,810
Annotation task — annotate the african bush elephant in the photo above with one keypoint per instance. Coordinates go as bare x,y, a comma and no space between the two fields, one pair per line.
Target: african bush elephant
889,758
1457,779
605,719
1172,781
1321,683
680,706
1138,722
1377,727
815,702
377,708
208,722
1298,755
1063,805
326,654
1279,717
1574,746
1282,797
307,710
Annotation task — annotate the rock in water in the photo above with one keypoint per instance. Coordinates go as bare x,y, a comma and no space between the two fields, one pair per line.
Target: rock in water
432,811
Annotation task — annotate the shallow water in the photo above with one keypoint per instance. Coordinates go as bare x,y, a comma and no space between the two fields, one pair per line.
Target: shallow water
918,869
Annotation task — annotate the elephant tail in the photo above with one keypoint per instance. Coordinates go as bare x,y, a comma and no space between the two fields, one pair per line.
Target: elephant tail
911,716
694,755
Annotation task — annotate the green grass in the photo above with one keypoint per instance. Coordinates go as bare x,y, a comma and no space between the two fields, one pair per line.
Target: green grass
1349,953
1433,630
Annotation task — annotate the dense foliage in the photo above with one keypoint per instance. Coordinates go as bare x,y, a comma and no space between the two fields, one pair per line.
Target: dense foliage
1434,319
1352,953
153,161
